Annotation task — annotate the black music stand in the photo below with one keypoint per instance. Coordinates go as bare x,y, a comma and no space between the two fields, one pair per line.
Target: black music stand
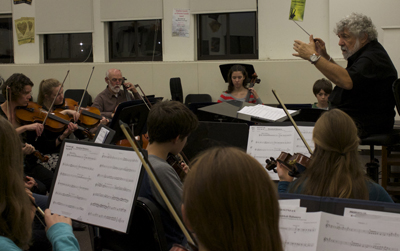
134,113
224,68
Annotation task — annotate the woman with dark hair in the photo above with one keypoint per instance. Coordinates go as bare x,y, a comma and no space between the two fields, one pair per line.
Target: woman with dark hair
230,202
335,169
237,89
17,211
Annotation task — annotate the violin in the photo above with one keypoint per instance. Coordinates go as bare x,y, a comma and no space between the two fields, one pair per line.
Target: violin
254,80
34,113
90,116
176,162
38,155
295,164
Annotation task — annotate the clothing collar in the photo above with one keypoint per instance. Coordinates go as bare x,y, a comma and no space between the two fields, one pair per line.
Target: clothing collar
353,57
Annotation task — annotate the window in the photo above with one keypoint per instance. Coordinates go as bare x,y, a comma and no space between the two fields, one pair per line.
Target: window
227,36
135,41
6,39
74,47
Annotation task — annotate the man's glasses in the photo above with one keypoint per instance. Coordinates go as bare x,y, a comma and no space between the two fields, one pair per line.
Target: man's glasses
115,80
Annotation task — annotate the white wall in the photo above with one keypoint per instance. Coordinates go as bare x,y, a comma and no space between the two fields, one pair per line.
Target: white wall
277,68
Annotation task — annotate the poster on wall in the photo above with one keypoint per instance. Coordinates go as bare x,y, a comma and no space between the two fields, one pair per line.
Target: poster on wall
23,1
180,22
25,29
297,8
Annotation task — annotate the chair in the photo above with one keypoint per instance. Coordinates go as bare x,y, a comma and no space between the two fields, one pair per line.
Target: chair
388,141
176,89
76,94
197,98
146,231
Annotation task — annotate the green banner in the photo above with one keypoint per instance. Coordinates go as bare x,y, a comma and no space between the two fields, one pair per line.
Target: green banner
297,8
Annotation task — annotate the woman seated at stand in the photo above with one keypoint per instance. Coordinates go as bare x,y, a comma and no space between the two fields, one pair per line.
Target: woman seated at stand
19,88
17,211
237,89
50,142
335,169
230,202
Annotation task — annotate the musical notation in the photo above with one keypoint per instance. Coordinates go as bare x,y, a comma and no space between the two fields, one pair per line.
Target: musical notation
359,245
113,167
115,198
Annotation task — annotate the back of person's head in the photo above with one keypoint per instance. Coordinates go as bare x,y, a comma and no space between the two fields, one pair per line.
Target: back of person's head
17,83
230,202
358,25
234,68
46,89
168,120
335,169
322,84
15,209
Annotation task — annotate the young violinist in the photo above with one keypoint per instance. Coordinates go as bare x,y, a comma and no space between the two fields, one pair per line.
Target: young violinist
230,202
237,89
17,211
169,124
335,169
50,142
19,88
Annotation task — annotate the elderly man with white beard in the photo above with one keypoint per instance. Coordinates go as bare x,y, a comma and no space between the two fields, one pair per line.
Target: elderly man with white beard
364,88
107,100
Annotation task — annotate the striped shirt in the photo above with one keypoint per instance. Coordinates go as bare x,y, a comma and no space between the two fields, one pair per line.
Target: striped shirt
228,96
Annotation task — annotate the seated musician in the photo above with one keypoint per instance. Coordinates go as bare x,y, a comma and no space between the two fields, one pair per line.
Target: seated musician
20,88
107,100
230,202
17,212
50,142
169,124
322,88
335,168
237,89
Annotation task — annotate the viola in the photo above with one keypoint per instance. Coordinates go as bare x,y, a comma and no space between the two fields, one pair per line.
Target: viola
295,164
90,116
56,122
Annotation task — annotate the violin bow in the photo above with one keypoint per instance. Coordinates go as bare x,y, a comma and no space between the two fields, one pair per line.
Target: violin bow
147,101
54,100
149,169
84,92
291,120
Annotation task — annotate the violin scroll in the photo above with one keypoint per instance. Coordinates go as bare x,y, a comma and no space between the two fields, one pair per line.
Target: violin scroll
295,164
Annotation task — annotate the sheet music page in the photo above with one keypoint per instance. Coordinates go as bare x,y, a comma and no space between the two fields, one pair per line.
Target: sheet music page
357,234
96,185
265,112
101,137
289,203
299,230
265,142
370,214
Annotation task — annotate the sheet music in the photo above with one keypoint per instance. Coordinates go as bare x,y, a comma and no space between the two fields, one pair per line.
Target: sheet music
96,185
265,142
369,214
265,112
101,137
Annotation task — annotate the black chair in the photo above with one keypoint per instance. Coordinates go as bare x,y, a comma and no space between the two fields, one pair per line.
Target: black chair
76,94
176,89
197,98
146,231
2,99
388,141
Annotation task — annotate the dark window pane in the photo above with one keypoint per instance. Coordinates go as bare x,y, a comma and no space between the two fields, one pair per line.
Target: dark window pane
135,41
6,41
74,47
228,36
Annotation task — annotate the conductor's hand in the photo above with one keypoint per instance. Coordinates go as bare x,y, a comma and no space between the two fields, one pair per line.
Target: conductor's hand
304,50
320,47
130,87
283,173
52,219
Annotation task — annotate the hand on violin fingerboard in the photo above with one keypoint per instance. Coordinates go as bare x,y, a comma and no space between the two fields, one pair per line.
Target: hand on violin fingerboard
130,87
283,173
185,167
28,149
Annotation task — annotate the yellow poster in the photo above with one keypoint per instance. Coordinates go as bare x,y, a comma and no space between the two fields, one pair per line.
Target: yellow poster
25,29
297,8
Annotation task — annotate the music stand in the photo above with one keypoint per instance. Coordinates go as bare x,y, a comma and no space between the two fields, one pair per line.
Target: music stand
134,113
224,68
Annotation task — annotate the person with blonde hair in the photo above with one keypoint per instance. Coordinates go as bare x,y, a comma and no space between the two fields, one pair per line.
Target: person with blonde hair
230,202
335,169
17,211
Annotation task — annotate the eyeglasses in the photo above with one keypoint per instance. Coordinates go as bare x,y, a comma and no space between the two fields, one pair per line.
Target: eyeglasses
115,80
